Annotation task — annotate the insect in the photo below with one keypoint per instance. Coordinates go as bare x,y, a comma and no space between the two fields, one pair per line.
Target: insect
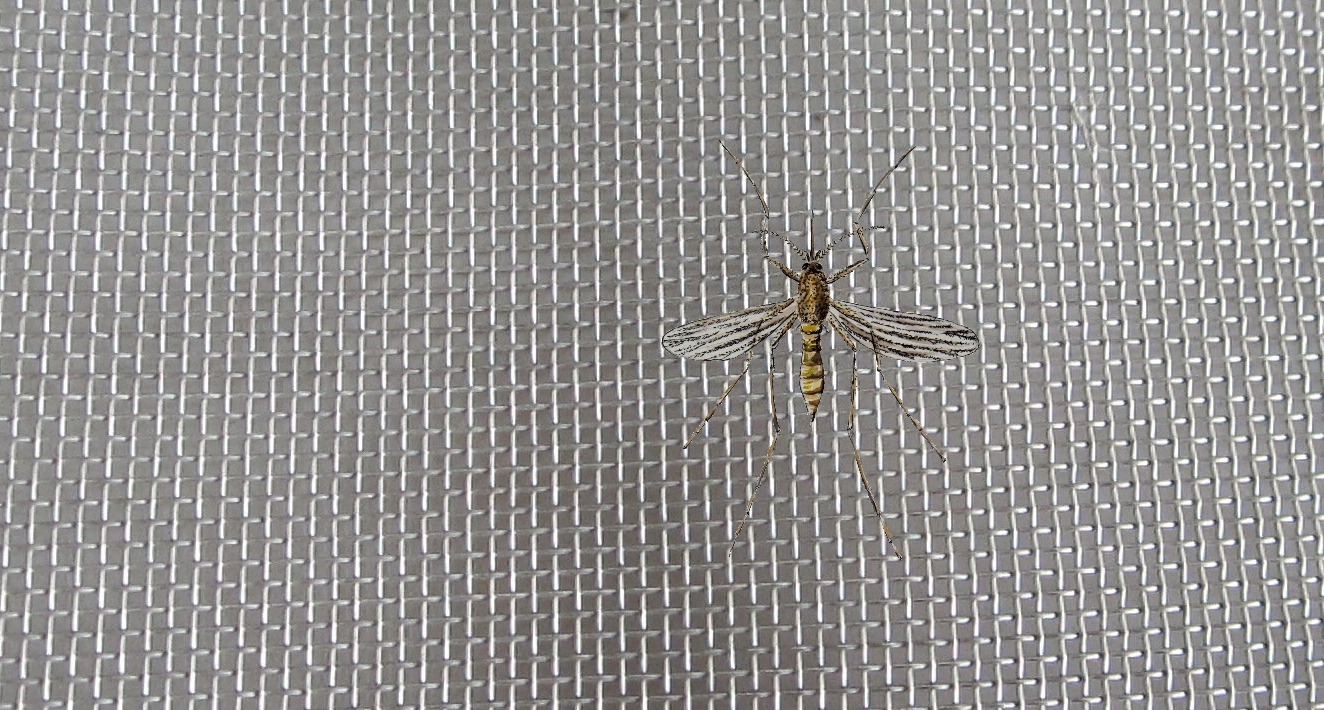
906,336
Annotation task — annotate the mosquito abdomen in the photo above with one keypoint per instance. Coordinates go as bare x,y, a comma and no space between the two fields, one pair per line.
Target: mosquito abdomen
811,367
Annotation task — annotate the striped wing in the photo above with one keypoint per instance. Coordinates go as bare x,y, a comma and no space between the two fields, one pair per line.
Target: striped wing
907,336
730,334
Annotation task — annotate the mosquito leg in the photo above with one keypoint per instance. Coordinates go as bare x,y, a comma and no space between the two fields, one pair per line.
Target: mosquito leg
752,184
789,274
873,193
748,356
860,230
764,231
859,466
859,234
846,271
912,419
776,433
772,369
767,459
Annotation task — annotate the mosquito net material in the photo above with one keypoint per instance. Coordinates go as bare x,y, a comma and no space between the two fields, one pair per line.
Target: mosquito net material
332,372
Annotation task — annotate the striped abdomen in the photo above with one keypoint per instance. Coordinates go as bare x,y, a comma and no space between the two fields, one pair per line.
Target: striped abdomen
811,367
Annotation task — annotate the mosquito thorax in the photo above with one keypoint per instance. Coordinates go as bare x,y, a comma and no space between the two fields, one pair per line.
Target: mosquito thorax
813,294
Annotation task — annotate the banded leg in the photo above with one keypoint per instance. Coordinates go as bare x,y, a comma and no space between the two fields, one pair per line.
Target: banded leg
859,466
776,433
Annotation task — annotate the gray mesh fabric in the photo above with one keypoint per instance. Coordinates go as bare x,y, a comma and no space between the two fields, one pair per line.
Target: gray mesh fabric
330,364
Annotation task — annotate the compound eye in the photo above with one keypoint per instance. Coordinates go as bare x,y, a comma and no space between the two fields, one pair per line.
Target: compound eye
804,266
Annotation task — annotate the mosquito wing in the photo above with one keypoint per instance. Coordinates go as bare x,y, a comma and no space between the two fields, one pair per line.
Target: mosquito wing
906,336
730,334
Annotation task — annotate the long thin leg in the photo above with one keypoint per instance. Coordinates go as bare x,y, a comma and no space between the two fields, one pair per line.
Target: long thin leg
748,356
764,231
905,409
776,433
858,230
878,358
767,459
873,193
859,466
752,184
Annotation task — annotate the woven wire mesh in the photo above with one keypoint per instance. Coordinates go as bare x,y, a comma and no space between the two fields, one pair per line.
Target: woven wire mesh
332,374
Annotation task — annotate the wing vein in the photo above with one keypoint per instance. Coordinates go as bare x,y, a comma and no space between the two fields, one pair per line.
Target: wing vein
725,336
906,336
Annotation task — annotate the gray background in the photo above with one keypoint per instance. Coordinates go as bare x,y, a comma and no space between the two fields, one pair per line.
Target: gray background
330,365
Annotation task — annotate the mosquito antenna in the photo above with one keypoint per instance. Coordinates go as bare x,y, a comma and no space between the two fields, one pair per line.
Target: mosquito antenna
844,236
858,230
764,230
794,248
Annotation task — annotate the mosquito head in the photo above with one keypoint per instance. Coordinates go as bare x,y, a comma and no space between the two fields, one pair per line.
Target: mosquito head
812,267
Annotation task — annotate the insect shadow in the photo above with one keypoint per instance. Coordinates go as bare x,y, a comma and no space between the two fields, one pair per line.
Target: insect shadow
905,336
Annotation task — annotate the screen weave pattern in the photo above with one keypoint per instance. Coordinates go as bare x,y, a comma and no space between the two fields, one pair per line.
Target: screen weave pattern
331,370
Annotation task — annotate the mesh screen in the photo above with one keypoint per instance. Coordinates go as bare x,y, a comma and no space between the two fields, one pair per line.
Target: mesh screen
331,376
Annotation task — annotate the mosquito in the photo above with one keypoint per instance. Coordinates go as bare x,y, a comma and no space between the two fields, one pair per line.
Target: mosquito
905,336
